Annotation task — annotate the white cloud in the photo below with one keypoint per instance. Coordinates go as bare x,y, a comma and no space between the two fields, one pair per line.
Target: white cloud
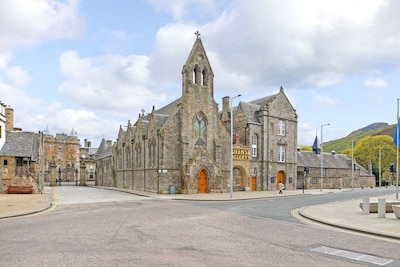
300,45
188,9
320,101
377,83
28,22
109,83
17,76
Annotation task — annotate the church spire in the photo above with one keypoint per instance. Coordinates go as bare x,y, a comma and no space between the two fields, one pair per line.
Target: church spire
197,69
316,146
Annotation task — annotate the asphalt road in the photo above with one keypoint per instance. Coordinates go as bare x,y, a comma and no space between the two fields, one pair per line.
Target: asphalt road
281,208
94,227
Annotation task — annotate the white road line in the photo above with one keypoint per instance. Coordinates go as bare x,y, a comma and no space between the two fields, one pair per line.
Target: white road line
353,255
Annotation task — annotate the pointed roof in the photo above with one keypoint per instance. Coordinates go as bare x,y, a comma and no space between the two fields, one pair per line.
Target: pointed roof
250,108
47,131
316,146
104,150
197,54
73,133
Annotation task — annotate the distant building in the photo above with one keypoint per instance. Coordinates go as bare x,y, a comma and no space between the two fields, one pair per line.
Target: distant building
337,172
65,150
25,156
88,153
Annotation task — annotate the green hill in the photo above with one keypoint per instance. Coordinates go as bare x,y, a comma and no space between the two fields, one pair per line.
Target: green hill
341,144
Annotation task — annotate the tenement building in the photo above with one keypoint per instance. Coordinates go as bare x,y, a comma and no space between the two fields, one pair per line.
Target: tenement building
185,146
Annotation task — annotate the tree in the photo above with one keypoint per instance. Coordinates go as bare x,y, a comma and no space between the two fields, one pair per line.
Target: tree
305,148
366,151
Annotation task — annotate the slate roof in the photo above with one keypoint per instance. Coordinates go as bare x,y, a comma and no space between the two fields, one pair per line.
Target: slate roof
265,100
331,161
104,150
250,108
21,144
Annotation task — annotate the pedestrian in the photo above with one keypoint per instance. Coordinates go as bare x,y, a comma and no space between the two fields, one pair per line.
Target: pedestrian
281,187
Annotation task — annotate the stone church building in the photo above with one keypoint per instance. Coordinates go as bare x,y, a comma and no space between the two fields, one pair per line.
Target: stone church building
185,146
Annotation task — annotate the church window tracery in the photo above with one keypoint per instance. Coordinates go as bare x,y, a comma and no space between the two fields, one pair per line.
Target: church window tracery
200,128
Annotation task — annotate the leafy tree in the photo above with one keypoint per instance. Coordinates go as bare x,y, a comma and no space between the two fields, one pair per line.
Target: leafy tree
305,148
366,150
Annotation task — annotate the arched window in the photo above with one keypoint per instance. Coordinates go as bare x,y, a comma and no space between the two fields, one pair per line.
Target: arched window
200,128
197,75
254,141
204,77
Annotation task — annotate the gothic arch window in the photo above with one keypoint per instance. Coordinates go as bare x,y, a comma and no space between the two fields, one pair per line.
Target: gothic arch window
200,130
204,77
197,75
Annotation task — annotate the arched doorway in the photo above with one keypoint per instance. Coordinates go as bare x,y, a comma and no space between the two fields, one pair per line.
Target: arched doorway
280,179
239,179
202,182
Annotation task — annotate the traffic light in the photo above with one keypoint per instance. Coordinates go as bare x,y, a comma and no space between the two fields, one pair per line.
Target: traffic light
306,170
392,167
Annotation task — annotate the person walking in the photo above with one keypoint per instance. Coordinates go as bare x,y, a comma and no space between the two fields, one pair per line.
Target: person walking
281,187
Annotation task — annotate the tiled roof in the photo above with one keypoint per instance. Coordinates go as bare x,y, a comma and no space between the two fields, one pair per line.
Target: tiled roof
21,144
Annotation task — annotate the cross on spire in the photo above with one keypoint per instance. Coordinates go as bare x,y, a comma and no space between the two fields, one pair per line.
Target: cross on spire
197,34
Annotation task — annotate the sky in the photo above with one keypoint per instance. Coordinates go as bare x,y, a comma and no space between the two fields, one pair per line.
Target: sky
92,65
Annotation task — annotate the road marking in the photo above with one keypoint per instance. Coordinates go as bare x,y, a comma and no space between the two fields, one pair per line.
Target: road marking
353,255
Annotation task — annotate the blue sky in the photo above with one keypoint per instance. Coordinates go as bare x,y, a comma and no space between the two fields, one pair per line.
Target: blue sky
93,65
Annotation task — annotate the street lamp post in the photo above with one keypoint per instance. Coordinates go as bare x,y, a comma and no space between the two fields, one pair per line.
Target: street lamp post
352,164
380,162
322,156
231,172
397,151
123,165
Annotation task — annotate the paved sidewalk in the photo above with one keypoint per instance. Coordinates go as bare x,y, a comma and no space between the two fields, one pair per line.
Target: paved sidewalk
14,205
346,214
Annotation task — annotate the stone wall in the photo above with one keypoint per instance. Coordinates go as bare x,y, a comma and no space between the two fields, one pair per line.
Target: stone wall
335,179
11,176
